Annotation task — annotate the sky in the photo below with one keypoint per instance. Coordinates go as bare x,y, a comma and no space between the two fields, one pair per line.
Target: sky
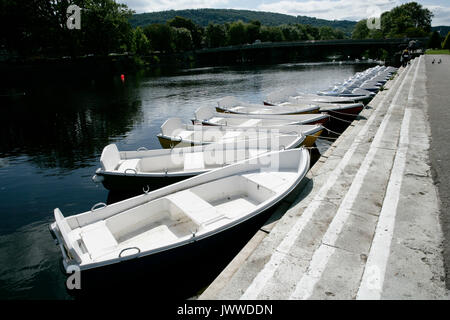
325,9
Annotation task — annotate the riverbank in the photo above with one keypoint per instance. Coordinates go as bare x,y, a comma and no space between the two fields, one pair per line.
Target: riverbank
368,223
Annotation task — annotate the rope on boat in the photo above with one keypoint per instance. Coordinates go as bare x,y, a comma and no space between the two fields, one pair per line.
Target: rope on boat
327,138
331,131
346,121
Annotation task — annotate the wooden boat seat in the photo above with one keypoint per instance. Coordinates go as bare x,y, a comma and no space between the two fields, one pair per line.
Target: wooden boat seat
215,120
231,134
132,164
193,161
161,163
98,239
184,134
150,239
236,108
271,180
251,123
199,210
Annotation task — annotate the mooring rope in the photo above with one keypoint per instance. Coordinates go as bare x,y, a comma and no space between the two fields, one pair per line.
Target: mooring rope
331,131
345,113
346,121
327,138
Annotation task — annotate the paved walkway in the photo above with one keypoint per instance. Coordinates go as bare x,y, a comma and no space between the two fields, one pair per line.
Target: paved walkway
438,98
366,225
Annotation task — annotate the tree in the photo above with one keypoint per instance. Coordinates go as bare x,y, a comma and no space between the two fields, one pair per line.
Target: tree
39,27
195,30
106,27
339,34
290,33
435,40
236,33
313,32
141,43
326,33
446,44
216,35
253,31
160,36
361,30
410,18
182,39
303,33
275,34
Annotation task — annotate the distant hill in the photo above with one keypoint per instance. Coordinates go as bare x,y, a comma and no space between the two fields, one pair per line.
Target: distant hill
444,30
220,16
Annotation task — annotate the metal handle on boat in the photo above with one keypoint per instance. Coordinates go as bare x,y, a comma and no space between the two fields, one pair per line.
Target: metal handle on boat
146,190
130,248
134,170
142,149
98,206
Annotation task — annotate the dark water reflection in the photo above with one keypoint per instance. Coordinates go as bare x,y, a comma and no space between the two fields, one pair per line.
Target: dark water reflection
51,140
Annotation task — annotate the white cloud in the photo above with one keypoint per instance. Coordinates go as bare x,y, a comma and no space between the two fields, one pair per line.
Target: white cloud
329,9
441,15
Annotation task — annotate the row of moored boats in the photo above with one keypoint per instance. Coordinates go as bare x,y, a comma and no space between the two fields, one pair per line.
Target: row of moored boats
233,163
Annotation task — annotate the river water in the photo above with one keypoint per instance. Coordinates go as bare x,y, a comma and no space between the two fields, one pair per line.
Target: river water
52,137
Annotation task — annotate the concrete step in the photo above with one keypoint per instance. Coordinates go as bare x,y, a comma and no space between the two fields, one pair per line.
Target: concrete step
319,248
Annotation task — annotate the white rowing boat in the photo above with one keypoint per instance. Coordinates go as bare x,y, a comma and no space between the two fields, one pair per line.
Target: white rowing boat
152,169
175,133
292,95
178,218
209,117
232,105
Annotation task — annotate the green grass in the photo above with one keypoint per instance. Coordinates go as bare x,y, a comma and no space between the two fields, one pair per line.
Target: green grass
430,51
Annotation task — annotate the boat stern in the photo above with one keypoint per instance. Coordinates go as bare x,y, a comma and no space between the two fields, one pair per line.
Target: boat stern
312,135
66,260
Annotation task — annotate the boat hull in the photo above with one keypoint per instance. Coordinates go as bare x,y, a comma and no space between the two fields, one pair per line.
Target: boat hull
207,123
137,183
340,119
311,139
345,112
168,143
282,113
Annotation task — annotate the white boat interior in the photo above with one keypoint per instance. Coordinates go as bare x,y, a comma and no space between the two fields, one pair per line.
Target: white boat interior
292,95
188,160
207,115
362,83
175,130
232,105
179,213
